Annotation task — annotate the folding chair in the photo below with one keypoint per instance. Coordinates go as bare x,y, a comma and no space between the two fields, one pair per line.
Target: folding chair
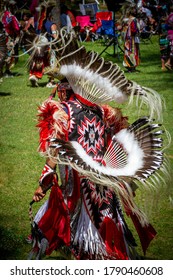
84,21
89,9
108,27
105,15
86,28
110,35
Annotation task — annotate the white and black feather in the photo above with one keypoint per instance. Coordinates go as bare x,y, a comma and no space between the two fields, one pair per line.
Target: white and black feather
134,152
101,81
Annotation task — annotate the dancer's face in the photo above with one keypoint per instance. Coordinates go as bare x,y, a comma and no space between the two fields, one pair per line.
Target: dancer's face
62,95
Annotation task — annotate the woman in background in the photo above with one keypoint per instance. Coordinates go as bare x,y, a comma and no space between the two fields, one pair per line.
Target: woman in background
131,38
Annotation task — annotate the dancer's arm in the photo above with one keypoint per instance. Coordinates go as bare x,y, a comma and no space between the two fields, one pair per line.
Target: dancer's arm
46,180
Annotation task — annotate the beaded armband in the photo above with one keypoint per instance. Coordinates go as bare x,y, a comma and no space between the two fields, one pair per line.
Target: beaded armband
54,32
46,178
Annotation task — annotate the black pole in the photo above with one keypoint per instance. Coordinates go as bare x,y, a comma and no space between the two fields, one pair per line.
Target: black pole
113,41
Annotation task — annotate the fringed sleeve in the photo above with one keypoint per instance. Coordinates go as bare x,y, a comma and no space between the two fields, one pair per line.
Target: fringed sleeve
52,123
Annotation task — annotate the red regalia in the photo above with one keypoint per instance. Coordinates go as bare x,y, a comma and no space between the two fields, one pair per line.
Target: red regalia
101,158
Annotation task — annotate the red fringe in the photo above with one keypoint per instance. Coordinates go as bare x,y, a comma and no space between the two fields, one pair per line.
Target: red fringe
46,124
146,233
113,237
55,223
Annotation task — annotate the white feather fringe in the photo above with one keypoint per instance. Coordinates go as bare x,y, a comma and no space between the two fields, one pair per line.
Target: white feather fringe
94,87
87,237
130,145
150,98
41,212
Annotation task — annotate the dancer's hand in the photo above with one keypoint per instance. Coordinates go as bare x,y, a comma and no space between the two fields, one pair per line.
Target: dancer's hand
39,194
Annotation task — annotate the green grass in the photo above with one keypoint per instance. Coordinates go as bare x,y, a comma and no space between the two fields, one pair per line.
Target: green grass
21,164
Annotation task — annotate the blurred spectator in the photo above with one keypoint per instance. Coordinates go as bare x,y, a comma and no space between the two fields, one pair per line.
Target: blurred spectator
34,9
50,27
151,21
12,30
169,63
65,18
3,50
163,43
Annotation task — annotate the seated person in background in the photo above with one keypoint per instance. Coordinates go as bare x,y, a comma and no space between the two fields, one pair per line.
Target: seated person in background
65,19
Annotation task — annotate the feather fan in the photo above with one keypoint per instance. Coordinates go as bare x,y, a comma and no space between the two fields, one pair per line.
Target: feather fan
102,81
134,154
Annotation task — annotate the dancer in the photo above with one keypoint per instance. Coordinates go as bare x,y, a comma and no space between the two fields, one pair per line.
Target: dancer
131,30
95,161
12,30
3,50
169,63
43,56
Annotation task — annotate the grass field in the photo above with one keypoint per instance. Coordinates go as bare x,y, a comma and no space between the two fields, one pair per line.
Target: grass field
21,164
